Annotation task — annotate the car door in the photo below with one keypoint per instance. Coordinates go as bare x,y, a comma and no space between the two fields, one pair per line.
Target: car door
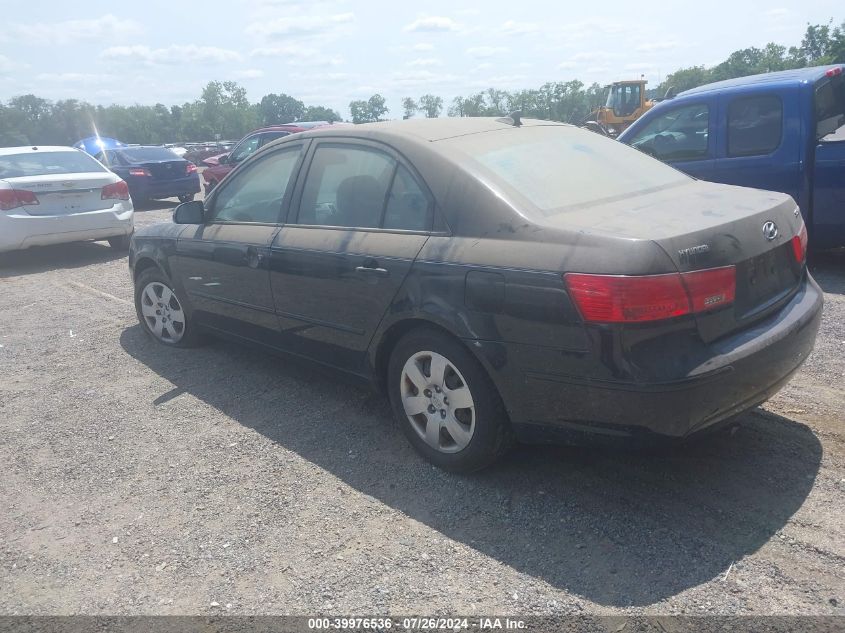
759,146
223,263
359,218
682,136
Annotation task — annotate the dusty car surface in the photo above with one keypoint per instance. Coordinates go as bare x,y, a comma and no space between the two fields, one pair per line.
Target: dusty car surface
499,280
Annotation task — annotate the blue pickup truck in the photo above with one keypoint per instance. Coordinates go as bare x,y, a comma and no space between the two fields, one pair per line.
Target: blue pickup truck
783,131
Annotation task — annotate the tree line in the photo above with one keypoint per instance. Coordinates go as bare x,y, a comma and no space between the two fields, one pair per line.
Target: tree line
223,110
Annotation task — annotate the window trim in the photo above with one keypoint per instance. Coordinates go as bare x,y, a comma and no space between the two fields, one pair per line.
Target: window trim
748,97
708,153
211,202
294,207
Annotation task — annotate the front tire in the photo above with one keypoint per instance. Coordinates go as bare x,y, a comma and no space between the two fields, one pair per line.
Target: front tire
163,314
445,402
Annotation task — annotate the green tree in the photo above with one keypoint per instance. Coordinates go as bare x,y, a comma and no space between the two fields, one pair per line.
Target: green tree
409,107
431,105
280,108
320,113
377,107
360,111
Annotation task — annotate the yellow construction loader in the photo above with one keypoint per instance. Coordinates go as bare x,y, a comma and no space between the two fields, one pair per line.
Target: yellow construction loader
626,102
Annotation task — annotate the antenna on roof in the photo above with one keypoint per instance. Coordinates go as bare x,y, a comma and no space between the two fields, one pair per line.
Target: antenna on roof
514,118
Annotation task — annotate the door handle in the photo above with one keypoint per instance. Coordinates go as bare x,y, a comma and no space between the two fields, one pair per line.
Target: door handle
254,257
372,271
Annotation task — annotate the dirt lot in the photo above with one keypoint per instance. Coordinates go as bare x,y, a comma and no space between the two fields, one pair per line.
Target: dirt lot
139,479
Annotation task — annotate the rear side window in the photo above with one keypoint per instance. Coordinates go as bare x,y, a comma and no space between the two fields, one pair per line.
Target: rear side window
47,163
755,125
346,186
830,105
408,207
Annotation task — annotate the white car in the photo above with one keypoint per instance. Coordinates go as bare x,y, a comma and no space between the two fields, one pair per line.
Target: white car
50,195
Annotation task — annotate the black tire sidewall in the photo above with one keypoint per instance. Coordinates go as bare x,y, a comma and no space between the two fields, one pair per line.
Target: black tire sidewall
190,338
491,436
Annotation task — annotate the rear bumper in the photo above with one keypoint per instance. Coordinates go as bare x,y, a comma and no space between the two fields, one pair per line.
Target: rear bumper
19,230
741,371
144,188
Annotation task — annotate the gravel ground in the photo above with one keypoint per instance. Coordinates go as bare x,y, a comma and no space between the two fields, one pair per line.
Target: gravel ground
144,480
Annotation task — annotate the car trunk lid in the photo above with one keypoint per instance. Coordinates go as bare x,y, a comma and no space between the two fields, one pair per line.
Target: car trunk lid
66,193
702,226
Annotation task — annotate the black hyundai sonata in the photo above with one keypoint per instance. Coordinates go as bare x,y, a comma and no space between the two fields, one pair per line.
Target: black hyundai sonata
499,279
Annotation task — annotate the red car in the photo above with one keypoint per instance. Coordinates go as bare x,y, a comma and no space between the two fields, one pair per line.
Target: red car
222,164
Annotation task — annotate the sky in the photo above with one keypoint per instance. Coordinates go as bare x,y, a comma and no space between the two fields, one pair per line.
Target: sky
329,52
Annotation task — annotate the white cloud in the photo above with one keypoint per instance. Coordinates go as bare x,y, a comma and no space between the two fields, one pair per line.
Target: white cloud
432,24
8,66
250,73
296,52
486,51
172,55
512,27
423,46
107,27
565,65
423,78
778,13
296,27
74,78
425,61
653,47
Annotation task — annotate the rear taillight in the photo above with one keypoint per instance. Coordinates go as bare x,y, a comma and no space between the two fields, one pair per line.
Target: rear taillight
833,72
190,168
14,198
636,299
115,191
137,171
799,245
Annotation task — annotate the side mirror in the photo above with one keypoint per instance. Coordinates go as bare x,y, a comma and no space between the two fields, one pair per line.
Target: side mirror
223,159
189,213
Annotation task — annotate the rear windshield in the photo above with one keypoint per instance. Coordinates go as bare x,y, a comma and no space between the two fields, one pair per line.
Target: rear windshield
557,168
830,105
142,154
47,163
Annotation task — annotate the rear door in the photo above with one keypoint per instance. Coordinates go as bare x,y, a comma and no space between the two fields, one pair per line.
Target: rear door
223,264
759,145
681,135
359,219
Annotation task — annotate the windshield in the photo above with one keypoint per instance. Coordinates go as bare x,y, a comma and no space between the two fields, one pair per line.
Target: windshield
142,154
623,99
557,168
47,163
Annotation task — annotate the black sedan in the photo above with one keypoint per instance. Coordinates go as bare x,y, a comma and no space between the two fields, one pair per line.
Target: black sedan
152,172
499,279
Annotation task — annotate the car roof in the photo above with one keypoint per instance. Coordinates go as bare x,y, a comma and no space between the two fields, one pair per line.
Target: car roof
296,125
29,149
781,77
427,130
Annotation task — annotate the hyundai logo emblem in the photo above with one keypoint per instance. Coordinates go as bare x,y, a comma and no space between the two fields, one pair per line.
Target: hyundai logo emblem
770,230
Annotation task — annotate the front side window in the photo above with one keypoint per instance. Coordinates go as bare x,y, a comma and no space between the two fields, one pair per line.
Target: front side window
346,186
244,149
255,194
269,137
755,125
679,134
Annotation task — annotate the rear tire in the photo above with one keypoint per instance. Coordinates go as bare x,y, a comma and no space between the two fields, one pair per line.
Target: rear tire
120,243
162,312
426,369
187,197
